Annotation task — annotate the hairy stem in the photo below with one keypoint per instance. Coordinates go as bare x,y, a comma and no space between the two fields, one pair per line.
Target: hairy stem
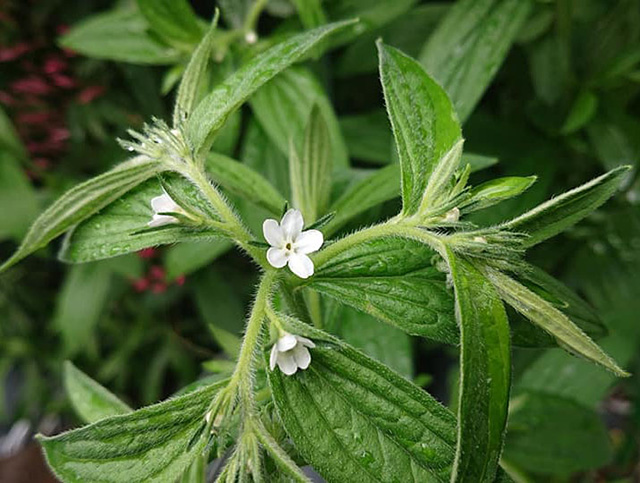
242,377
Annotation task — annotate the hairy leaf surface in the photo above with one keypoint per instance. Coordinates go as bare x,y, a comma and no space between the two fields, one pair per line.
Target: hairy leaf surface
393,280
81,202
353,419
424,123
559,213
214,109
122,226
155,443
485,373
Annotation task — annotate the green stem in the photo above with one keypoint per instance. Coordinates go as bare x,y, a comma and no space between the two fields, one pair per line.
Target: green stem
242,377
251,21
234,226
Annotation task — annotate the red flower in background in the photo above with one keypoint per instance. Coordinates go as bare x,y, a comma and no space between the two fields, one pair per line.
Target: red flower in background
42,85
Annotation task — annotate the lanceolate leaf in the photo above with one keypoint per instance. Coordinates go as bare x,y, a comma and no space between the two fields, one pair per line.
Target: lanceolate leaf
545,315
310,170
81,202
119,35
155,443
214,109
173,20
122,226
353,419
563,298
393,280
81,304
91,401
242,180
17,197
283,107
196,72
469,45
495,191
559,213
424,124
485,373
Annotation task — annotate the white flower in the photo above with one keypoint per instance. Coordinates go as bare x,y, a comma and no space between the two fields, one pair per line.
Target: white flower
164,204
290,245
290,353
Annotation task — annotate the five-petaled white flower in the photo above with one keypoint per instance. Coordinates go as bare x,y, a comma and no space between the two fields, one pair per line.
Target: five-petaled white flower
290,353
164,204
290,245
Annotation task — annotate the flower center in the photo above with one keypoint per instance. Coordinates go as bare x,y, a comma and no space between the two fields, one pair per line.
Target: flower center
288,246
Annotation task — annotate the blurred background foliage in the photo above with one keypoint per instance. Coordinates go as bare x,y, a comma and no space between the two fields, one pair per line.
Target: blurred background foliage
563,105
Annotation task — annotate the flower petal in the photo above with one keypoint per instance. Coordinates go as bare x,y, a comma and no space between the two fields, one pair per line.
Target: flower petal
305,341
292,223
286,342
287,363
163,204
273,357
273,233
301,356
277,257
161,220
301,265
308,241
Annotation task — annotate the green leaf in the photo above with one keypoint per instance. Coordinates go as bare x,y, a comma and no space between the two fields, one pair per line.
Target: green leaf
240,179
214,109
383,427
424,124
546,316
283,107
582,111
310,13
393,280
485,373
122,226
561,212
81,304
9,139
367,136
81,202
119,35
382,342
195,73
563,298
156,443
552,435
221,309
467,48
91,401
310,172
173,20
17,198
371,191
492,192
